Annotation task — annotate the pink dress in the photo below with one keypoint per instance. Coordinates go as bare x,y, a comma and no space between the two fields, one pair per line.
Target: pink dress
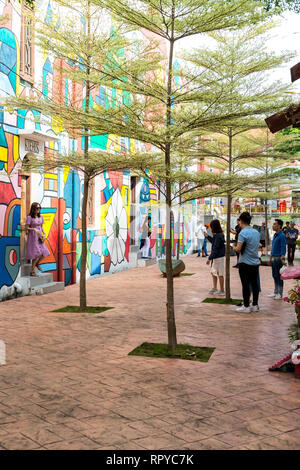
34,248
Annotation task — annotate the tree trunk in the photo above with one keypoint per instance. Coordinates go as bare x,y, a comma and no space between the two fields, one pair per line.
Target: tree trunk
179,224
172,339
227,265
266,229
229,202
82,287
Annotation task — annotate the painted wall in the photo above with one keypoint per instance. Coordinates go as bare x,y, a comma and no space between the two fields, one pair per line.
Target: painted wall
60,193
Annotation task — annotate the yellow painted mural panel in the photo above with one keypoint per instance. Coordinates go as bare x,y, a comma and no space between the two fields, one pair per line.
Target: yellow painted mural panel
66,173
16,148
50,176
48,220
3,154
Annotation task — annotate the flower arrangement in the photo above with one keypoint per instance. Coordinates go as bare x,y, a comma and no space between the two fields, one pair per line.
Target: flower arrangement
294,296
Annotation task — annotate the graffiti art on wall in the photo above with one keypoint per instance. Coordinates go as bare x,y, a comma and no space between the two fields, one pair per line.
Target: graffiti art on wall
60,192
10,184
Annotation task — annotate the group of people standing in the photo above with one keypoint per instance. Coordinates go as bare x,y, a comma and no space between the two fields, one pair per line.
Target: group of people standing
248,242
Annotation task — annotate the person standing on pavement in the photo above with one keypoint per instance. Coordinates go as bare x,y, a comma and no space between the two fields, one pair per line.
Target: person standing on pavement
204,248
36,248
236,232
216,257
278,258
291,237
286,227
145,239
247,247
264,233
201,230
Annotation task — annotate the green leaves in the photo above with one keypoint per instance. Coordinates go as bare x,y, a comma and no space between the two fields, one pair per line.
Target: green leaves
177,19
281,5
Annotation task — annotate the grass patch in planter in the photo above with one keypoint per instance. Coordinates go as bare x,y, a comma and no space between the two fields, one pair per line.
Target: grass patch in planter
76,309
214,300
183,351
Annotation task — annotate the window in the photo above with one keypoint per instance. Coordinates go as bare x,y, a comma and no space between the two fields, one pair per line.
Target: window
91,203
27,53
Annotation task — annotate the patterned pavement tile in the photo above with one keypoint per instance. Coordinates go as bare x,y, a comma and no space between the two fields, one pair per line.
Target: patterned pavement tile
70,384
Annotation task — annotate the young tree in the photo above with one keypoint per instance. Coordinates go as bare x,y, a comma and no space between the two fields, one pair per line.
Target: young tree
172,108
240,60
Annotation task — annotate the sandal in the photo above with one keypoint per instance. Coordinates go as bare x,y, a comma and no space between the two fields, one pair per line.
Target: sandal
32,273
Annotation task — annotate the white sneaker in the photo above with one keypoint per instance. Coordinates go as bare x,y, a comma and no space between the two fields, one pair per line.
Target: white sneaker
278,297
255,308
221,293
272,295
212,291
243,309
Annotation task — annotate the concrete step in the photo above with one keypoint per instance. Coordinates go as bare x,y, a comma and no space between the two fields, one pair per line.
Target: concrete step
25,269
41,279
133,259
144,262
47,288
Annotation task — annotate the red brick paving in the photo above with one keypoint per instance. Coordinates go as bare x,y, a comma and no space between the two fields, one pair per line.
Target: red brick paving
70,384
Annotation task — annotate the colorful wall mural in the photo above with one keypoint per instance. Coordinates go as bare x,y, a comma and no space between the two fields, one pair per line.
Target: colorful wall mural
60,192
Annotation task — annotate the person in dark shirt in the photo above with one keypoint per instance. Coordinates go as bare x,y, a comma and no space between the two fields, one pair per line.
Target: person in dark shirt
216,257
291,237
278,258
236,232
287,225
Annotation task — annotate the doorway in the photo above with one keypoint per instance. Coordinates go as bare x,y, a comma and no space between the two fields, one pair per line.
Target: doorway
25,208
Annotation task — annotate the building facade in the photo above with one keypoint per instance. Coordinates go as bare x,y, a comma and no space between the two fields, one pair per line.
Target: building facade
26,71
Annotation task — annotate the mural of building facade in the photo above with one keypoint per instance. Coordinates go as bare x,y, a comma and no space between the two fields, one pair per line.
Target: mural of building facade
120,202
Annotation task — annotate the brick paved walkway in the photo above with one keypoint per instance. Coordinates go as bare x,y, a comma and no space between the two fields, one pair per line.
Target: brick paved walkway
69,383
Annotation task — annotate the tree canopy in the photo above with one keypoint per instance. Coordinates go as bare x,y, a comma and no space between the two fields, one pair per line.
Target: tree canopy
281,5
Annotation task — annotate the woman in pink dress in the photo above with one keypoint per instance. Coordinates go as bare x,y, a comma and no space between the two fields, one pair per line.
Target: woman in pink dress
36,249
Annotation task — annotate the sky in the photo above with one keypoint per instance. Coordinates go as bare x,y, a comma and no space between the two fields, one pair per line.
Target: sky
285,37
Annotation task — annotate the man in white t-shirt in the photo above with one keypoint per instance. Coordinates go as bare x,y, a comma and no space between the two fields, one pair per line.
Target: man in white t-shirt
201,230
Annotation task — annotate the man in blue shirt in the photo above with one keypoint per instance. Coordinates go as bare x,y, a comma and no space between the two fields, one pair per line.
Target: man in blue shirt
247,246
278,258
